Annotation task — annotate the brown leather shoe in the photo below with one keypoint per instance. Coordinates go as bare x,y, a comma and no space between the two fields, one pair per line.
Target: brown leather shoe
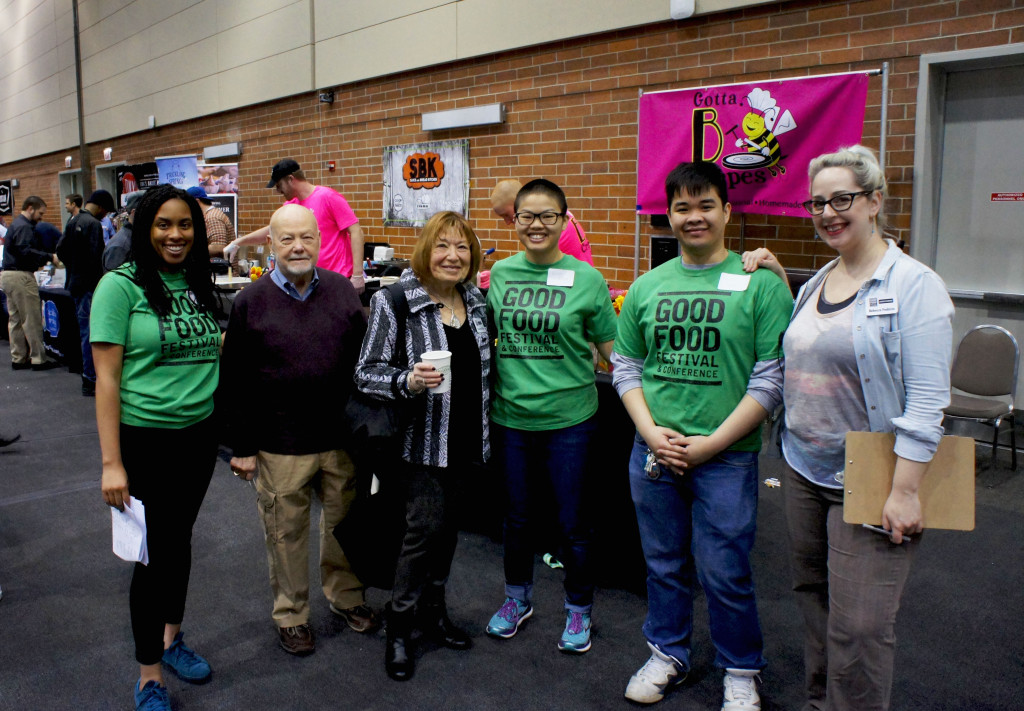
297,640
360,618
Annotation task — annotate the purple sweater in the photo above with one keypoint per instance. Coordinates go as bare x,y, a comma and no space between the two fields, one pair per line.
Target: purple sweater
288,364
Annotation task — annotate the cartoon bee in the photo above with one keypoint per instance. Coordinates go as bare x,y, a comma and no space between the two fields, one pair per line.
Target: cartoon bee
762,126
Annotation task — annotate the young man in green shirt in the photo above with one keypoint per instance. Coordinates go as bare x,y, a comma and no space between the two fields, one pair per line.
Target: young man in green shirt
698,366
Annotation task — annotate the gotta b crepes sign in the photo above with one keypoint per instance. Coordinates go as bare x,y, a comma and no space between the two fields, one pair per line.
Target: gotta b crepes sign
421,179
762,134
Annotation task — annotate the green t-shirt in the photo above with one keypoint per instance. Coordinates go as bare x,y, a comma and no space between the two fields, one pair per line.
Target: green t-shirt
170,367
699,333
545,317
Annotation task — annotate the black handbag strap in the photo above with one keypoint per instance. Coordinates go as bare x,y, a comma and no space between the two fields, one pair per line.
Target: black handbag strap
401,307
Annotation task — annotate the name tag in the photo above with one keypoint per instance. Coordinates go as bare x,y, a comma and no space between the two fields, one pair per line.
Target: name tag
882,306
561,277
733,282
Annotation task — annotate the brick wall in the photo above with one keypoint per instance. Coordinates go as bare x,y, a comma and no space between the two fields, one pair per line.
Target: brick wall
572,109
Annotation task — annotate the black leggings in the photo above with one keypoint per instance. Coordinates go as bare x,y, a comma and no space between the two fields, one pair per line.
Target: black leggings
169,470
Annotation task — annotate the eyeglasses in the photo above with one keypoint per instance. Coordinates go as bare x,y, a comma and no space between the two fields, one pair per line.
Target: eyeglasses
526,219
840,203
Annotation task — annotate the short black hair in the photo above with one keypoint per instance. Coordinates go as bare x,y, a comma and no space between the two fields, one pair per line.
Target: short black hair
33,201
695,178
545,187
75,199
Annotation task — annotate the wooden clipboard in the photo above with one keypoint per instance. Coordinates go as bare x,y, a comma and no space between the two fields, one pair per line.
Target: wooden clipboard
947,490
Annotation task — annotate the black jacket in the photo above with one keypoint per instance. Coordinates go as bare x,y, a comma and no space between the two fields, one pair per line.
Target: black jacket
81,250
22,251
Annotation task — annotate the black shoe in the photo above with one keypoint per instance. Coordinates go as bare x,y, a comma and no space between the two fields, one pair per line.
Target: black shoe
398,650
437,625
46,365
4,441
20,366
88,388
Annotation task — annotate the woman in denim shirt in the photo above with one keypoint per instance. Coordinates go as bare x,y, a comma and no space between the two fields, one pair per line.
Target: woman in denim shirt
868,349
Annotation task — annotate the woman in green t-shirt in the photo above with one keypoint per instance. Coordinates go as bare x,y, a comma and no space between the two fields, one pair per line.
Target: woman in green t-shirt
156,344
546,307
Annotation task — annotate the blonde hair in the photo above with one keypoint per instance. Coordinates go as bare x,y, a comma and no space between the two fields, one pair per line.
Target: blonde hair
860,161
439,224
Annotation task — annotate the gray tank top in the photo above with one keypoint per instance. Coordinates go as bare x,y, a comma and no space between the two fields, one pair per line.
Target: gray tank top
822,392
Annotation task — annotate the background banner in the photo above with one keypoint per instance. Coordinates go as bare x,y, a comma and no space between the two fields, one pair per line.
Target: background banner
180,171
423,178
141,176
6,198
762,134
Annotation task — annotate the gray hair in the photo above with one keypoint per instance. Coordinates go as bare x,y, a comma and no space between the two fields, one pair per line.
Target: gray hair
860,161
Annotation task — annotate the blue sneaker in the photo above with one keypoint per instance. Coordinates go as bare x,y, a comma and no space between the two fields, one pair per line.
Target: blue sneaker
576,637
184,662
506,621
151,697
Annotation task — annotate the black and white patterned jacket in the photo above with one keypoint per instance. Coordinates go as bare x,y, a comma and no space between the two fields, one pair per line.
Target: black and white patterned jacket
426,438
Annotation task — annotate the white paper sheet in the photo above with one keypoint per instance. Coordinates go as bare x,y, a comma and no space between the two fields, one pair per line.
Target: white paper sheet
129,532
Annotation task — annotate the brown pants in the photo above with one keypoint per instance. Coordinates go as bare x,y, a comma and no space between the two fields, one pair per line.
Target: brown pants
848,582
26,320
285,484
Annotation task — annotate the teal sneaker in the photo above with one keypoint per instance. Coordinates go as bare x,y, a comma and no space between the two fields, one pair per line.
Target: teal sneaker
576,637
506,621
151,697
184,662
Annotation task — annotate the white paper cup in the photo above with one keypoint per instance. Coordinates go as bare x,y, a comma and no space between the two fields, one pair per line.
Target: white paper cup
442,361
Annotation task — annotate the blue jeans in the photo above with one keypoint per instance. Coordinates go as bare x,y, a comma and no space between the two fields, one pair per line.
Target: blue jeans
701,523
83,307
532,462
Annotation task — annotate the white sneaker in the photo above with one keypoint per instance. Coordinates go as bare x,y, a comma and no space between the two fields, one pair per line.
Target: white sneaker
741,690
654,678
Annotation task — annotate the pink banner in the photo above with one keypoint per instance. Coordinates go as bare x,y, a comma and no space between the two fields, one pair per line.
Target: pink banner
763,135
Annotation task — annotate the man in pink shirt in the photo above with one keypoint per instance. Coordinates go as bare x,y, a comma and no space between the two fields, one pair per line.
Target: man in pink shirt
572,241
341,237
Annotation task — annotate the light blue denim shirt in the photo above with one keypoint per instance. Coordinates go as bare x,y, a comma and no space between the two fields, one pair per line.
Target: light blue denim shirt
904,358
287,287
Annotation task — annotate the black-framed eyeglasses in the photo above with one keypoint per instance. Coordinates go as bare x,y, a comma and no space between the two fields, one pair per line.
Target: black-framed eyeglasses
839,203
526,218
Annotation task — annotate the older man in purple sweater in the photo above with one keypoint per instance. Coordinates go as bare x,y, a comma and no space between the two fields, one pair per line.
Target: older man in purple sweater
293,341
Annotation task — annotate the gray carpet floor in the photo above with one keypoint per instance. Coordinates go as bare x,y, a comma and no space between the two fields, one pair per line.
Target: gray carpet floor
65,641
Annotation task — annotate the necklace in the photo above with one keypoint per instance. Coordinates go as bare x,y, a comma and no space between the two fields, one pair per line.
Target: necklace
454,321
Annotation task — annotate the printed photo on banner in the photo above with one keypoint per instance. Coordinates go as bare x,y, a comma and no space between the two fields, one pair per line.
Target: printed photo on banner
219,178
762,134
421,179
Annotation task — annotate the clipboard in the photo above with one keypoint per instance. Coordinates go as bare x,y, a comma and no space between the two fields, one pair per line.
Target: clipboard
947,490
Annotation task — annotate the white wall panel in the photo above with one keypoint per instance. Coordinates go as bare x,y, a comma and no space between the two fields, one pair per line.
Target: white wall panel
486,26
266,80
234,13
180,59
335,18
418,40
273,34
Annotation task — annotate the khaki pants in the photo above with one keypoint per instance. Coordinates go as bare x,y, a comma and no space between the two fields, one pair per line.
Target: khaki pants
26,323
848,582
285,483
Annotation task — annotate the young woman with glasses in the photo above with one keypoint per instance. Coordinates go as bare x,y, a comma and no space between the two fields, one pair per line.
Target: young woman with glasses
868,349
546,309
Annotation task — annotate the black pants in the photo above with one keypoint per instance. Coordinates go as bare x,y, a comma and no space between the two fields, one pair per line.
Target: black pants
169,470
428,547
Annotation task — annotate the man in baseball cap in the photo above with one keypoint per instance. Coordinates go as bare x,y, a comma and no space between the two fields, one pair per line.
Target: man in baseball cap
341,247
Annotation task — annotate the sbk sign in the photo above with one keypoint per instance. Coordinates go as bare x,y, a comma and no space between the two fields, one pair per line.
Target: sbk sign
423,170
